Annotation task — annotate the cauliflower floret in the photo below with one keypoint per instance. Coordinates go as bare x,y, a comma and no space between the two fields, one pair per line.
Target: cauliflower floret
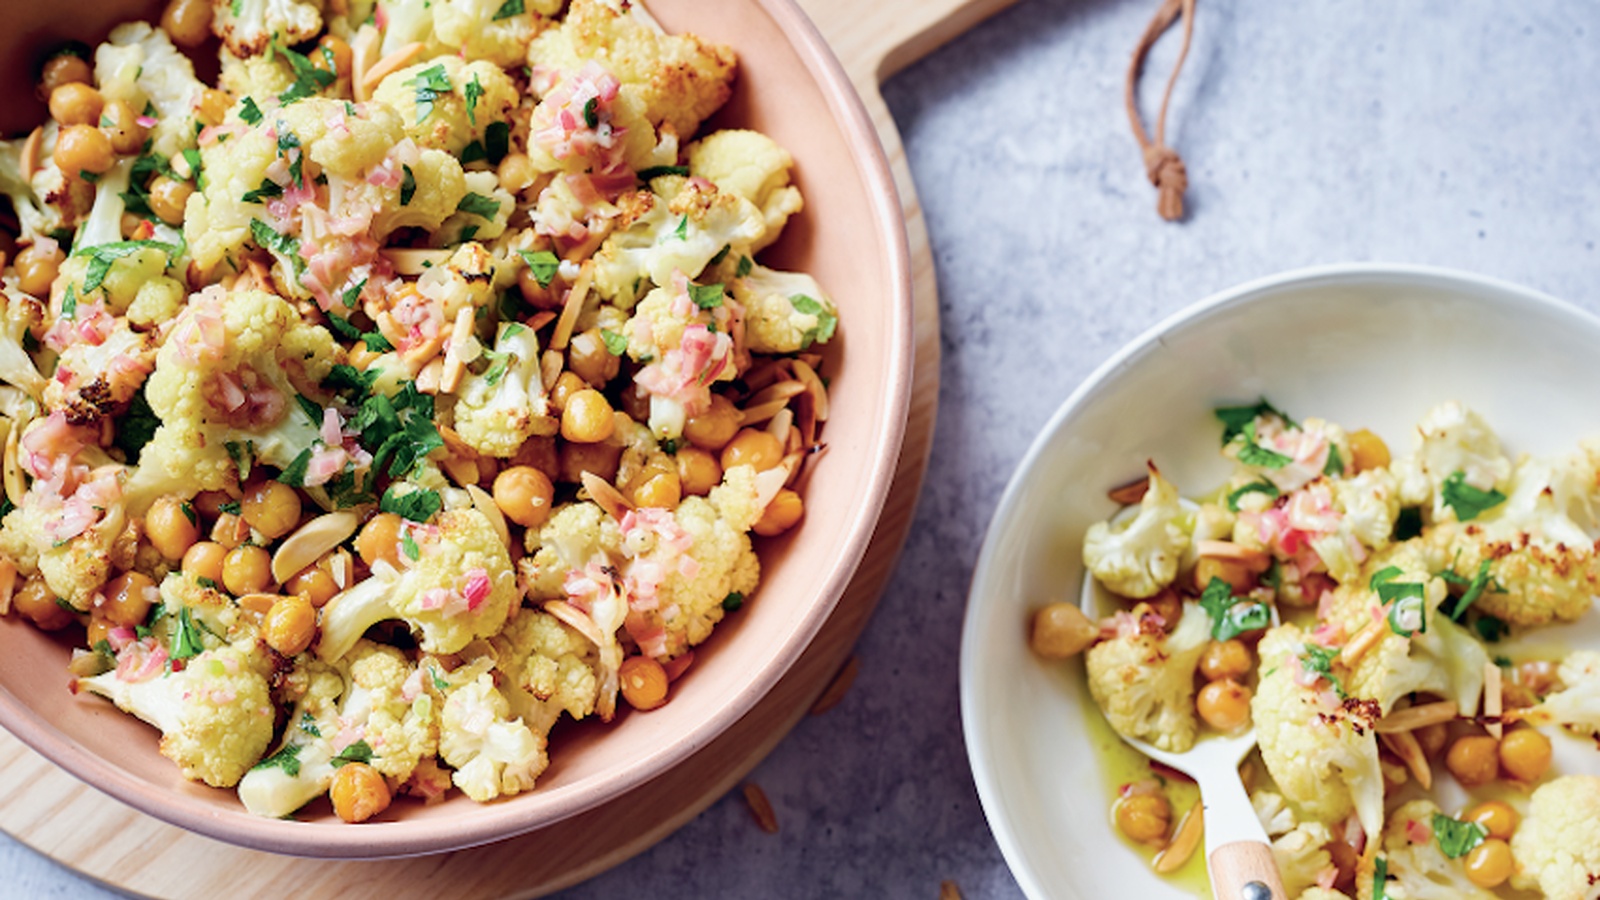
575,535
550,669
228,374
38,215
255,76
683,78
500,408
1451,439
482,29
1302,856
440,184
457,585
301,768
1274,812
493,754
1140,559
784,312
1577,704
753,166
1144,683
249,27
1322,752
215,715
17,367
445,103
680,230
680,334
96,381
1557,846
138,64
1417,869
589,122
1366,508
481,215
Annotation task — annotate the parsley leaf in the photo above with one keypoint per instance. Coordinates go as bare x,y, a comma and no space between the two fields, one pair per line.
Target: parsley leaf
706,296
496,141
295,474
352,294
408,185
1469,502
376,342
479,205
310,408
1491,629
429,84
308,79
1408,524
1480,581
1408,613
1380,878
268,190
287,759
1232,616
1318,659
359,752
1236,418
544,265
243,455
135,427
616,344
474,93
733,601
508,9
101,256
416,505
185,637
1456,837
345,377
827,322
1253,454
69,303
1335,463
655,172
408,546
249,111
269,239
1254,487
745,265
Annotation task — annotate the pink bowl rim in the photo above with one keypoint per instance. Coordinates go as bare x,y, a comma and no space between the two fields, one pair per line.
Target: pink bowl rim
507,819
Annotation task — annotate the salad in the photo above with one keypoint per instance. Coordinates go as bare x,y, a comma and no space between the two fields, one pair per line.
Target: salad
1389,626
408,390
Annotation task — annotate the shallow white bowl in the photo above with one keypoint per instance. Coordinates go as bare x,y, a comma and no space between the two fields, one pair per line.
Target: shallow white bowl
1367,346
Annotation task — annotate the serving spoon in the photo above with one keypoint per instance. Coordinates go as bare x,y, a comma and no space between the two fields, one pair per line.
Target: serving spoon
1238,855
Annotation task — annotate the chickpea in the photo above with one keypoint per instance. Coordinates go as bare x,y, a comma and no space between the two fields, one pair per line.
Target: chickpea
535,294
1473,760
128,599
36,601
540,453
290,625
380,539
587,417
782,514
332,55
1489,864
76,104
658,490
187,22
752,448
120,124
271,507
1168,605
358,792
698,471
524,494
1225,659
230,530
205,560
1525,754
37,269
1224,705
247,570
169,197
212,106
635,402
644,682
714,428
209,503
596,459
63,68
1061,630
567,384
83,148
1144,817
1367,451
516,173
588,358
313,583
1432,738
1235,573
98,629
1497,818
172,526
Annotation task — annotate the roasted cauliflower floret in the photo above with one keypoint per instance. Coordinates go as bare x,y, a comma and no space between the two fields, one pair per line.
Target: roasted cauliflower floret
1557,846
494,755
1417,868
1144,682
487,30
498,409
753,166
1453,442
249,27
680,229
1141,558
139,65
588,122
1302,856
445,103
549,669
784,312
1577,704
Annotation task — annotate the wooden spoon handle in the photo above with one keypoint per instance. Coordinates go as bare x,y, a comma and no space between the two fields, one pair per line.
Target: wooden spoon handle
1245,870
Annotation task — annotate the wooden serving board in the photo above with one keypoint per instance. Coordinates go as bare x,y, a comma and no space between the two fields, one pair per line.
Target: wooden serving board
100,838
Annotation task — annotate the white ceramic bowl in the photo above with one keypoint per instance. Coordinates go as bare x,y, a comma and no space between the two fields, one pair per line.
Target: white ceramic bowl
1367,346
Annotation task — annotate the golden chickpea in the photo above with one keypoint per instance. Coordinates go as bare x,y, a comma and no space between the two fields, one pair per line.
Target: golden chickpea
1224,705
380,539
36,601
331,55
597,459
658,490
587,417
120,124
247,570
1061,630
698,471
752,448
635,402
210,503
782,514
588,358
567,384
714,428
523,494
1144,817
644,682
83,148
358,792
98,629
1525,754
271,507
1367,451
212,106
128,599
290,625
1474,760
1225,659
1497,818
313,583
1489,864
169,197
63,68
37,269
535,294
76,104
204,560
172,526
540,453
1432,738
516,172
187,22
1235,573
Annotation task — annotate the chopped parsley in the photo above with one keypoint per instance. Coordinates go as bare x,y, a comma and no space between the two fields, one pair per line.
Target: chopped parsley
1235,419
827,322
1254,487
308,79
416,505
508,9
1407,601
655,172
1253,454
1232,616
289,146
352,294
746,264
1335,463
1468,502
706,296
1380,879
408,546
249,111
499,362
430,83
1455,837
1408,524
268,190
544,264
474,93
69,303
308,724
1475,589
135,427
733,601
376,342
1319,660
102,256
295,474
243,455
359,752
479,205
287,759
1491,629
682,231
186,636
310,408
408,185
345,377
397,430
497,141
269,239
616,344
721,255
136,199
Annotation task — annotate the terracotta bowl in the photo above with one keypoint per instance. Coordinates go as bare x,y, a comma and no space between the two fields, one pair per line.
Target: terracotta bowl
850,236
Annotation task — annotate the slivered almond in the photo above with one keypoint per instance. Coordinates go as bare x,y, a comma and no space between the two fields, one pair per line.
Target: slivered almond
577,619
1413,717
431,376
456,352
1254,559
780,425
806,420
609,498
311,541
782,390
755,415
813,384
341,567
838,687
28,165
572,306
388,65
792,443
483,503
767,373
768,484
1404,745
1130,493
760,807
1493,700
409,261
463,471
363,56
1184,841
540,319
550,365
1365,640
791,465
